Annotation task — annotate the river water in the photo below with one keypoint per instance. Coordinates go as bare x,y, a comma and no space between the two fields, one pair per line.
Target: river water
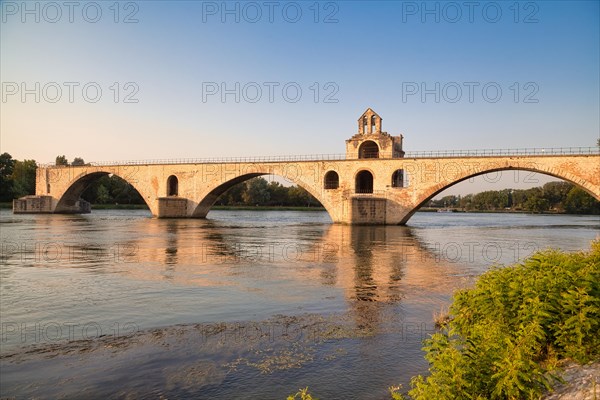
244,304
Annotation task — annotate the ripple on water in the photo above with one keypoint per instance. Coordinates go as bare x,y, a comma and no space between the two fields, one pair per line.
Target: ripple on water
259,303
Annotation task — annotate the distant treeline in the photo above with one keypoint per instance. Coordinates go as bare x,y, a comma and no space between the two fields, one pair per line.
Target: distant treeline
259,192
559,197
17,179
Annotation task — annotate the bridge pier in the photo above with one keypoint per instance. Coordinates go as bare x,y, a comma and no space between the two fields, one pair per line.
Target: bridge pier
376,210
48,205
172,207
33,204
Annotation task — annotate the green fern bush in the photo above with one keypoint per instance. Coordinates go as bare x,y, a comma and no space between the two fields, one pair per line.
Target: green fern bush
507,333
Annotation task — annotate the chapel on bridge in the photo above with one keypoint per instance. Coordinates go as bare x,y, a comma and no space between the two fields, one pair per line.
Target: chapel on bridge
371,141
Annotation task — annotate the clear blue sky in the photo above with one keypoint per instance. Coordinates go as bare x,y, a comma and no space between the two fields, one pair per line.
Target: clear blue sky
171,57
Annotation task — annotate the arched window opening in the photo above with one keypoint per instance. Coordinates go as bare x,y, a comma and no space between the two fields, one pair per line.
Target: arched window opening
364,182
365,123
398,179
373,124
332,180
368,149
172,186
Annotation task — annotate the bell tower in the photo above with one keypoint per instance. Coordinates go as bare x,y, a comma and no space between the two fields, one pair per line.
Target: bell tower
371,141
369,123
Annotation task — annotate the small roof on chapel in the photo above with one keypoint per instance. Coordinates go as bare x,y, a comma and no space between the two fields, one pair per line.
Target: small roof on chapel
369,113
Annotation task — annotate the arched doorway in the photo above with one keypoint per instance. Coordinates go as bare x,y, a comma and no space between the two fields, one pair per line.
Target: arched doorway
364,182
398,178
172,186
368,149
332,180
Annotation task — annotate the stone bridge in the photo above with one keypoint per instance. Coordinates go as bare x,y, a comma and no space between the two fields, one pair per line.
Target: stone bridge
376,182
367,191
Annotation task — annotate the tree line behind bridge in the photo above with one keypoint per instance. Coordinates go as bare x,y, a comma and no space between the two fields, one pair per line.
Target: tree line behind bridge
557,197
254,192
17,179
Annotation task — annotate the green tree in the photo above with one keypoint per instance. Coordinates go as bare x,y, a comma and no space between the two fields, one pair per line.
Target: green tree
102,195
91,192
23,178
466,202
233,196
7,165
449,201
257,192
556,193
580,202
123,192
61,160
78,161
519,197
536,204
278,194
300,197
490,200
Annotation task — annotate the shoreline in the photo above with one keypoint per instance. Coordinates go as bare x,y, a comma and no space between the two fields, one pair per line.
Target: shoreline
8,205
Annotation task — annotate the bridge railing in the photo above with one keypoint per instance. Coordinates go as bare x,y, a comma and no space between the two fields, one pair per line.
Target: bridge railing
215,160
536,151
340,157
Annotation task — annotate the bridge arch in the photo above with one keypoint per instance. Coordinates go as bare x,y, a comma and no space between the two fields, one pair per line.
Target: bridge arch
429,193
208,200
364,181
75,188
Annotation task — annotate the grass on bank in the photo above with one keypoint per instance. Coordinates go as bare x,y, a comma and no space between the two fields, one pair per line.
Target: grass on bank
505,336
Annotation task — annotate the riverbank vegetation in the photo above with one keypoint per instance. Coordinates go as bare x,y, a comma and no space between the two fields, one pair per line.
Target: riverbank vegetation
506,336
554,197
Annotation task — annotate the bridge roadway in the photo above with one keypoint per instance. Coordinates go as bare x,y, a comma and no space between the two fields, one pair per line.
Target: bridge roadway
353,191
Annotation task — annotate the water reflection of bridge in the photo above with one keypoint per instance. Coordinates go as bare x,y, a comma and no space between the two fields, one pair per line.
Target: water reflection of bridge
371,265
